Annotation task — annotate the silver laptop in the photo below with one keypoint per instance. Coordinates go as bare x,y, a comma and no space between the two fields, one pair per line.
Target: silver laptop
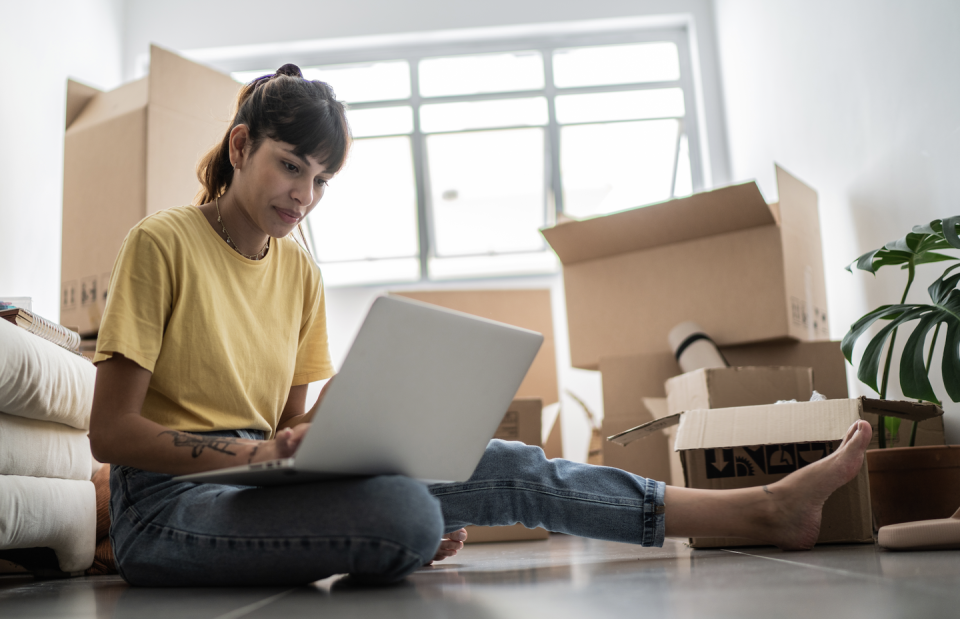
420,394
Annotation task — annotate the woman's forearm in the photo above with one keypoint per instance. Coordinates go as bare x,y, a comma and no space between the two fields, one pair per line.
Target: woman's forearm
120,435
134,441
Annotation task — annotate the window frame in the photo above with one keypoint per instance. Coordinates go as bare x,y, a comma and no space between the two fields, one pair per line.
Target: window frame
545,44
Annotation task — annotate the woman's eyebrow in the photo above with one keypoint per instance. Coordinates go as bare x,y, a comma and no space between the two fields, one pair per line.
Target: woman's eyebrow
300,158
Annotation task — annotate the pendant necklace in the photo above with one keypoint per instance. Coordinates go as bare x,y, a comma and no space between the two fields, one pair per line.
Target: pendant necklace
257,256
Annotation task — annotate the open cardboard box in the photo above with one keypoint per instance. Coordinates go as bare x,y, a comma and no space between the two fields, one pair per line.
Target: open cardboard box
744,270
129,153
634,393
757,445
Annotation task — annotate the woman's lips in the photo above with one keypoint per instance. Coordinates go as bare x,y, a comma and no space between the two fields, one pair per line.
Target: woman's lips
289,217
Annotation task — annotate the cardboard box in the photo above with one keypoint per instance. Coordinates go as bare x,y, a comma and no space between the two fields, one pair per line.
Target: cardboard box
740,386
743,270
520,423
129,153
757,445
634,393
528,309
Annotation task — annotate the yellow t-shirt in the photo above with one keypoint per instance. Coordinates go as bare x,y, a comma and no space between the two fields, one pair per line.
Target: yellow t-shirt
225,337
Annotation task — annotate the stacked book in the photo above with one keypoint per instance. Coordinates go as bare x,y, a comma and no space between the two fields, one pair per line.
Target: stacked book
40,326
47,500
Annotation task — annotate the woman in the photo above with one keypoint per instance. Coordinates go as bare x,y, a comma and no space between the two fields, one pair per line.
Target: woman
213,329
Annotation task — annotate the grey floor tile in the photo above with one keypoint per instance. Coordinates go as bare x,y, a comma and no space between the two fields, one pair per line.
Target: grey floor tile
561,577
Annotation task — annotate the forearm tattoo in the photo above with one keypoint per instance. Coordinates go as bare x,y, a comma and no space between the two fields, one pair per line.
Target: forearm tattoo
199,443
767,490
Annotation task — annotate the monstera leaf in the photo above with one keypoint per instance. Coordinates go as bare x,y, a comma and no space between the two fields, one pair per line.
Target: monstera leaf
944,311
917,247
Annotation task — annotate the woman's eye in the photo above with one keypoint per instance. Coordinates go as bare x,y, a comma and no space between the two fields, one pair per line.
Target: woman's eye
321,182
290,166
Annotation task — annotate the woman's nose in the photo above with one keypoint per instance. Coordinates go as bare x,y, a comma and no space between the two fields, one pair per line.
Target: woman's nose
303,192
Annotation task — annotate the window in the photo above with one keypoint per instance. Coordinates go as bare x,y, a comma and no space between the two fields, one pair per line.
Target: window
463,152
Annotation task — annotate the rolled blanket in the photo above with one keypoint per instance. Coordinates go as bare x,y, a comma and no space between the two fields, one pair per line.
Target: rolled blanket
55,513
43,449
42,381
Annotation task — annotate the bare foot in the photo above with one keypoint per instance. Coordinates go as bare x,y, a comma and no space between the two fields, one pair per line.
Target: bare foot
450,545
793,522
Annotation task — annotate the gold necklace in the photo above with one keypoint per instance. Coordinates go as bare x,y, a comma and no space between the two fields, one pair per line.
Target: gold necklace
257,256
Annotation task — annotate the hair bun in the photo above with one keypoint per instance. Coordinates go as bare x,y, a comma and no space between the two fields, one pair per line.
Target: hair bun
290,69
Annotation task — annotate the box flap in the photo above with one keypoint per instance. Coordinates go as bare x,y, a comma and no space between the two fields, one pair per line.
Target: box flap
78,96
772,424
727,209
104,106
644,430
803,258
190,88
911,411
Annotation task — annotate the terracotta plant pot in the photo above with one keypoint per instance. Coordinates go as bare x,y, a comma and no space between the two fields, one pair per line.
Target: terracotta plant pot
913,483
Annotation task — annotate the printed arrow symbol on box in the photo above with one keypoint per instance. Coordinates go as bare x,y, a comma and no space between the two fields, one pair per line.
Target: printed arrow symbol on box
717,466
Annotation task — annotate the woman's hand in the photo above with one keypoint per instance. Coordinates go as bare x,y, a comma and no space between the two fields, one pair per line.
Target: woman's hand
451,544
283,445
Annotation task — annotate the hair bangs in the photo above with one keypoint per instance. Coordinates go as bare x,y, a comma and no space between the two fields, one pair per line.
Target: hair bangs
316,127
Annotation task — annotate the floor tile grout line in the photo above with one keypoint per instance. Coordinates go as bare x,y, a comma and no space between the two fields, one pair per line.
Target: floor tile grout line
872,578
249,608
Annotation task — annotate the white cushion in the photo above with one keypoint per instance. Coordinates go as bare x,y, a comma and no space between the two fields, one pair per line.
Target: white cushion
40,380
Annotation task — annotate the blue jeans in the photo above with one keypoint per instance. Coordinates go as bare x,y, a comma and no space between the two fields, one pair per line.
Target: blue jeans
378,529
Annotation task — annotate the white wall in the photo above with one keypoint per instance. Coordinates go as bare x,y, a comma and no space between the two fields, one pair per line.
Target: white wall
41,44
860,99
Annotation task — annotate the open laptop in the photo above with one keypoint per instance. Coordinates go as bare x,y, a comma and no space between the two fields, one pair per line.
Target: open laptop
420,394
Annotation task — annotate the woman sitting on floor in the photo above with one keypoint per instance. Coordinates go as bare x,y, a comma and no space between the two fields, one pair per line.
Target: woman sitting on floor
215,325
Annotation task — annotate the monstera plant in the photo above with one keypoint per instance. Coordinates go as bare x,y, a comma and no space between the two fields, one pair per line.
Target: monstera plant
924,245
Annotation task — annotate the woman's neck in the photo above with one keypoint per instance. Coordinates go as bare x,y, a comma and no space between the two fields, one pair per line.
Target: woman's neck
247,237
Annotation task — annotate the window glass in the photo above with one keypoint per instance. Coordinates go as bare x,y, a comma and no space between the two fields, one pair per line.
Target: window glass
608,106
470,75
355,83
369,210
370,272
616,64
468,115
528,263
615,166
487,191
380,121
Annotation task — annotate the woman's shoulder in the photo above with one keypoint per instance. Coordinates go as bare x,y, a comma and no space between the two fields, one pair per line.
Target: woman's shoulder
171,219
296,252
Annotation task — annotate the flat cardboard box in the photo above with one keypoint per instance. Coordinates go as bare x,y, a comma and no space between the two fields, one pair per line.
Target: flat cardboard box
634,393
129,153
520,423
753,446
745,271
525,308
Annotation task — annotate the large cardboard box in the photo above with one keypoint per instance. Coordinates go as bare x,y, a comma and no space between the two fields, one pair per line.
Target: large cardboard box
129,153
745,271
525,308
520,423
757,445
634,393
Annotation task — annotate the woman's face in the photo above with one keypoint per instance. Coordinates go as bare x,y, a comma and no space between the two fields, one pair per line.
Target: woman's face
277,188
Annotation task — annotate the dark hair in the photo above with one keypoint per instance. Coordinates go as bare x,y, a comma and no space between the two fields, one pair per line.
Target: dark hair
285,107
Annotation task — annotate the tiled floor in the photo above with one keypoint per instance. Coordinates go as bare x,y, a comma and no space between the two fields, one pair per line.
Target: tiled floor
561,577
